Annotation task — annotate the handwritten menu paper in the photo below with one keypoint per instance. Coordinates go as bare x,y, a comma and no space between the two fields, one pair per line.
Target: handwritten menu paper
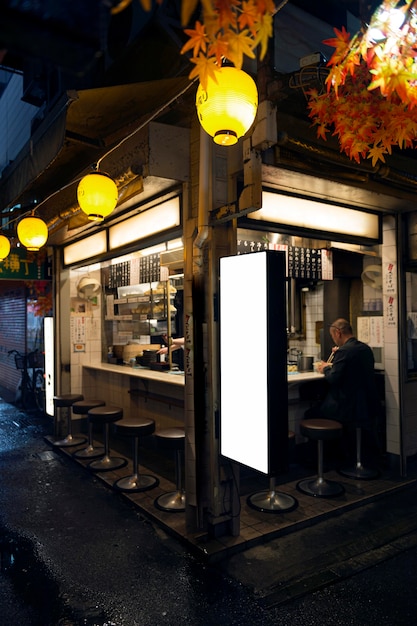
371,331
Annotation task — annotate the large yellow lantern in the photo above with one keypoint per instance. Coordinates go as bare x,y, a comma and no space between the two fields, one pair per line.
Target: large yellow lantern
4,247
97,195
32,233
227,109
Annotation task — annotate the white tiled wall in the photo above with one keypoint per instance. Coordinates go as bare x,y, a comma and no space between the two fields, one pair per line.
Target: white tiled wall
92,320
314,313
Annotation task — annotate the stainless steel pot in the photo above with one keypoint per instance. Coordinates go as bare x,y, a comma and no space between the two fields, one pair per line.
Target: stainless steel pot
305,363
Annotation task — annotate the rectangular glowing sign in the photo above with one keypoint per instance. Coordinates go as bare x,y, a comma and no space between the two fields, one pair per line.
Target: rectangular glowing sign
150,222
312,215
253,361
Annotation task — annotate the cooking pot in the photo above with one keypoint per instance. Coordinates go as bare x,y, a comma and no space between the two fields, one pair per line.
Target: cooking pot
305,363
147,357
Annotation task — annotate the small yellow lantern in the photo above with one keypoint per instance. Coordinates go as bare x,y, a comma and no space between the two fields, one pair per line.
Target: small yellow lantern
97,195
227,109
4,247
32,233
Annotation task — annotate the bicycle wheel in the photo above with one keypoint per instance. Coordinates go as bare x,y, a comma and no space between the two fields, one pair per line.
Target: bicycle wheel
39,390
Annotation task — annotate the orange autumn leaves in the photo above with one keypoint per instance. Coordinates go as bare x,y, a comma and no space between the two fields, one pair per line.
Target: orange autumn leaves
229,30
370,104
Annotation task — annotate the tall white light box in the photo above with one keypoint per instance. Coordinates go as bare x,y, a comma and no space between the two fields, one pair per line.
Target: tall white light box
253,361
49,347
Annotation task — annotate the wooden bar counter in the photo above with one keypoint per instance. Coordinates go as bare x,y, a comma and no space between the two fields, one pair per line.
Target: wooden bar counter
139,391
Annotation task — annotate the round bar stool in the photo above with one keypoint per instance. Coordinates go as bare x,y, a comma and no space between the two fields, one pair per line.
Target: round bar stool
172,439
320,430
106,415
81,408
65,401
359,471
272,501
135,428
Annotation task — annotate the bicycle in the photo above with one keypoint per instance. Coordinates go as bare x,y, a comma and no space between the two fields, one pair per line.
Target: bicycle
32,383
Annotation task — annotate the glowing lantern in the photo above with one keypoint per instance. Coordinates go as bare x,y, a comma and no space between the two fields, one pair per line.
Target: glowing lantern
97,195
4,247
32,233
227,109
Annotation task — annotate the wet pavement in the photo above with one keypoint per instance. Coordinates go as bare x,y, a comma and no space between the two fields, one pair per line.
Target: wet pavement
75,552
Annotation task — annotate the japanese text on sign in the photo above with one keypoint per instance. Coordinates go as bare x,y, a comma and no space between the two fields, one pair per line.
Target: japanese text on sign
22,265
390,279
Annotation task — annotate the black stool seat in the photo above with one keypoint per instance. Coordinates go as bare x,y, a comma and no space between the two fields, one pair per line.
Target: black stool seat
81,408
172,439
272,501
135,427
65,401
106,415
320,430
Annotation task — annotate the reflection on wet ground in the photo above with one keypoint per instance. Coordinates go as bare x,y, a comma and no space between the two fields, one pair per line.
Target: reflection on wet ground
75,552
30,579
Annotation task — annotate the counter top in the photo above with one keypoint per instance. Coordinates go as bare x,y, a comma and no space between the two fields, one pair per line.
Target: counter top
299,377
179,379
139,372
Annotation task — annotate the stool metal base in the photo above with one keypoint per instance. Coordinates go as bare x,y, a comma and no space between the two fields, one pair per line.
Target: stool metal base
171,501
320,488
136,482
360,472
89,453
107,464
272,502
68,441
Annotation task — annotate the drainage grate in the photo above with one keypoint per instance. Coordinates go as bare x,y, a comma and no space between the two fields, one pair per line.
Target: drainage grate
21,421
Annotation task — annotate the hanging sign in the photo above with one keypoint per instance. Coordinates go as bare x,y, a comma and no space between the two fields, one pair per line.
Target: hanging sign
21,264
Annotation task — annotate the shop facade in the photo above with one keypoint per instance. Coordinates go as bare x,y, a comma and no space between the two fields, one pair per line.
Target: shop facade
104,326
106,276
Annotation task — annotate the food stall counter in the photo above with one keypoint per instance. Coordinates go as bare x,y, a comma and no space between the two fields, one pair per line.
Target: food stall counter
299,377
171,378
140,392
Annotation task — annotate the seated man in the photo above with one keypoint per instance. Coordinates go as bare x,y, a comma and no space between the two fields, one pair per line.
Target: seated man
352,396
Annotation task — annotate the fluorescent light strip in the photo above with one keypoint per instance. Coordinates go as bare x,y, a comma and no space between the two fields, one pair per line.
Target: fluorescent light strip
149,222
86,248
311,215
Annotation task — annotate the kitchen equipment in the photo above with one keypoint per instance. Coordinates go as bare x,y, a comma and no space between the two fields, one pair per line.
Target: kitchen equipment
305,363
132,350
148,357
159,367
292,356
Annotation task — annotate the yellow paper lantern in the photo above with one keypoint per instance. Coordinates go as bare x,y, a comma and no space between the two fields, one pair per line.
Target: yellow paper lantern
97,195
227,109
4,247
32,233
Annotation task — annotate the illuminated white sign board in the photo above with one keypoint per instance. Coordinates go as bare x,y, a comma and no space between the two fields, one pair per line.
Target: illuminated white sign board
49,347
253,361
312,215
